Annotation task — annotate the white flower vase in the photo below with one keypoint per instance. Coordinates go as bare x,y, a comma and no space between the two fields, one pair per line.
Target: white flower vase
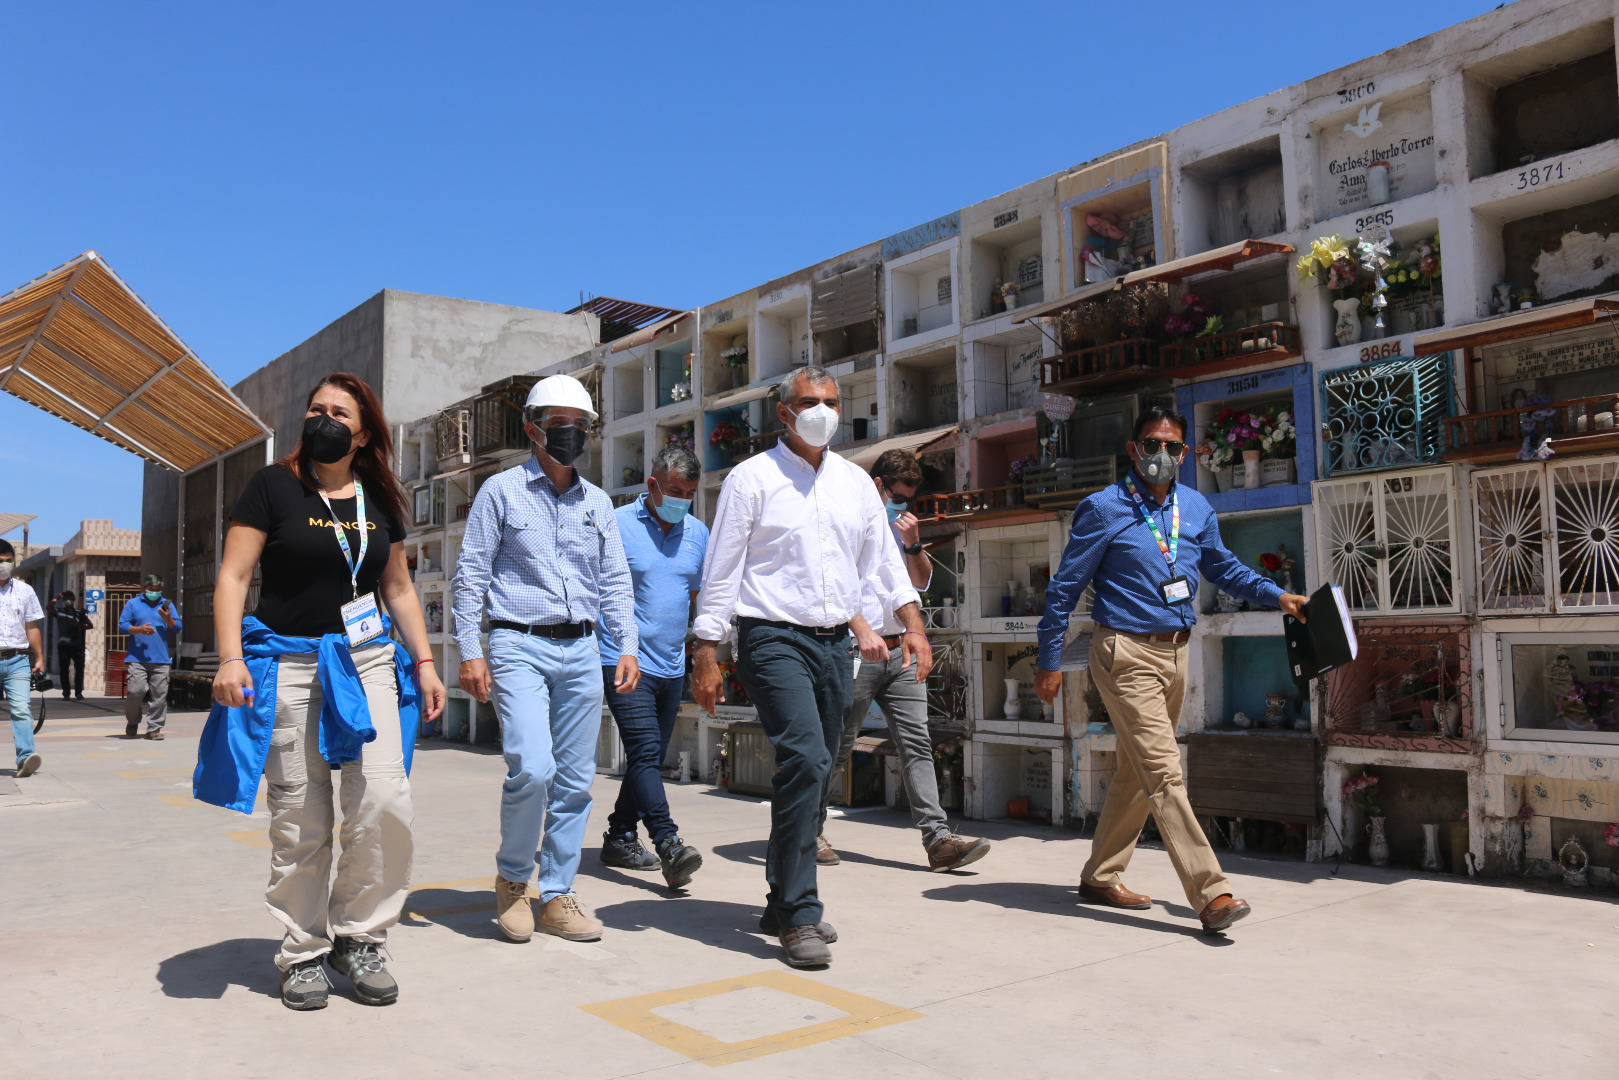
1228,481
1347,329
1430,849
1250,469
1378,849
1014,706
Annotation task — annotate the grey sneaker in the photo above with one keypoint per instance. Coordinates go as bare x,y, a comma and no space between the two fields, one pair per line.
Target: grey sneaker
805,947
360,962
29,765
626,853
680,861
769,925
304,986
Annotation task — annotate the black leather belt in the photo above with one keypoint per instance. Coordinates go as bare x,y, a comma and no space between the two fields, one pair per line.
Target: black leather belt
813,631
893,642
7,654
546,630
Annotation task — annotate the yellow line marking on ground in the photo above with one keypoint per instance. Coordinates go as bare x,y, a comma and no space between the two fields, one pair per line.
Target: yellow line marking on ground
179,800
152,774
635,1015
260,838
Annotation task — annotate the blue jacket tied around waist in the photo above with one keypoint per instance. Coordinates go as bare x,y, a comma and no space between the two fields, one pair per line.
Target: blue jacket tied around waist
236,740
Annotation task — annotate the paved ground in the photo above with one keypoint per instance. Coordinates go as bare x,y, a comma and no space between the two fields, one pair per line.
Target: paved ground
136,944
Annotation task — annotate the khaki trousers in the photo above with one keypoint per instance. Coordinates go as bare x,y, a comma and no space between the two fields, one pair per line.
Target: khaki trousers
373,871
1143,685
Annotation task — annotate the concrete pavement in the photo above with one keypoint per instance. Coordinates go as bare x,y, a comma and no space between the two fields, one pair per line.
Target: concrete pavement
135,943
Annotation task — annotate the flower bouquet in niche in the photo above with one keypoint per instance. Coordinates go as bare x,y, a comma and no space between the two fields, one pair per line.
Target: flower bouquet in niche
1278,447
731,437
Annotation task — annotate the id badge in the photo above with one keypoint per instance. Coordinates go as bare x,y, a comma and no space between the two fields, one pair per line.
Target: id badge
1177,590
362,620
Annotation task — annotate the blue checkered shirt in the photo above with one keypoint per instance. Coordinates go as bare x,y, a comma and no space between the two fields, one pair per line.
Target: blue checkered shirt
542,556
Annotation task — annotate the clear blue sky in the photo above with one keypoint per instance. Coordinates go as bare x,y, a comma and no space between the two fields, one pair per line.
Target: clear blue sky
256,169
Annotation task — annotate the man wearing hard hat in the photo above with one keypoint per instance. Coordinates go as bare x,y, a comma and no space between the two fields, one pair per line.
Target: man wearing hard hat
542,547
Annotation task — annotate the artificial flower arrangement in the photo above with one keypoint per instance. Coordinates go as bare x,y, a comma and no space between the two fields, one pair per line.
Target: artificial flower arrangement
1278,566
1192,320
734,693
1415,272
684,435
1350,266
1587,707
1020,466
1278,437
1610,835
728,432
735,356
1362,791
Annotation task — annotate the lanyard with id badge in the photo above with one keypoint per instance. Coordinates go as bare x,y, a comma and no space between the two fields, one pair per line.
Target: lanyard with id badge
1177,589
361,619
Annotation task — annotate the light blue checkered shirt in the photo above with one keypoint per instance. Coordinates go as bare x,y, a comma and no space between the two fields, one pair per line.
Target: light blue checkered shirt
540,556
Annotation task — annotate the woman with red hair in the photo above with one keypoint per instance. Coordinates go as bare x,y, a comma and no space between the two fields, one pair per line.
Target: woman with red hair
310,684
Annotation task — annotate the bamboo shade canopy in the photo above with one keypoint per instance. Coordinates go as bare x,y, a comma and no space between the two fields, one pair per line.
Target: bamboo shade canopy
78,343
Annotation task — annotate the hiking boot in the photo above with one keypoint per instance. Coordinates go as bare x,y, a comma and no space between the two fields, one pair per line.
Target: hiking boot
626,853
769,925
565,917
29,765
304,986
953,852
360,962
155,736
514,915
132,728
805,947
824,855
680,861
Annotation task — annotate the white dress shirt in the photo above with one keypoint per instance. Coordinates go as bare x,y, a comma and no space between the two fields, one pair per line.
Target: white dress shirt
798,545
18,607
879,609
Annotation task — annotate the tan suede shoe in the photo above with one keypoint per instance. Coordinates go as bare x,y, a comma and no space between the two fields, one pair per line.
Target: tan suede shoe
564,917
514,914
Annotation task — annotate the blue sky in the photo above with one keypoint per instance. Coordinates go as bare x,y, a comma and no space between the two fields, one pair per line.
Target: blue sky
254,170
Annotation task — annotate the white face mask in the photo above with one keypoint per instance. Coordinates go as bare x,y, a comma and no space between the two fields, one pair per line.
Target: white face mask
5,570
817,424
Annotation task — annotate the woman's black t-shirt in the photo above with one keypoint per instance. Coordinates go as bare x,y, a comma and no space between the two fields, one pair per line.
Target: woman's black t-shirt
305,578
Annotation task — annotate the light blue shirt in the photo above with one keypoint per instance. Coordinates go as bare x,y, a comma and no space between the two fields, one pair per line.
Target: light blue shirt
667,568
1111,546
541,556
147,648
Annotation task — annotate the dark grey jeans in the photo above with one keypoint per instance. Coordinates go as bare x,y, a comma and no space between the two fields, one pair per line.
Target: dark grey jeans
801,684
147,690
904,704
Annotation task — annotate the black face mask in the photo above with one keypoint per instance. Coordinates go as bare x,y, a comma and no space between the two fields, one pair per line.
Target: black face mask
564,444
327,438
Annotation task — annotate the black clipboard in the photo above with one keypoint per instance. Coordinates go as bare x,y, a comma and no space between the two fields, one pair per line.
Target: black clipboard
1326,640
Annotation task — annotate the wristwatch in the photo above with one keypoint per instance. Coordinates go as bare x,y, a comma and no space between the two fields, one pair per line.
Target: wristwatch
912,549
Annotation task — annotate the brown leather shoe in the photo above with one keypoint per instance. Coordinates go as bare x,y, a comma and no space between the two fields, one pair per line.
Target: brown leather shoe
953,852
1114,896
825,855
1222,912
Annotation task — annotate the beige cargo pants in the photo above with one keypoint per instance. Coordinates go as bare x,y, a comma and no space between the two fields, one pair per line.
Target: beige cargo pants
1143,684
373,871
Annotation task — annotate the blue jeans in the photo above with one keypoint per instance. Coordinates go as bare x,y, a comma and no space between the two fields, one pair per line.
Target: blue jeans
16,673
548,695
646,718
802,685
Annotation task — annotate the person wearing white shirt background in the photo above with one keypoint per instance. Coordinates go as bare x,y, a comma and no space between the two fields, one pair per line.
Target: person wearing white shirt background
797,535
22,655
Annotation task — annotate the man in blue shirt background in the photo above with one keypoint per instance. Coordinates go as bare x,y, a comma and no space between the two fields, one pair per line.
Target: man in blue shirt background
1144,542
665,548
148,620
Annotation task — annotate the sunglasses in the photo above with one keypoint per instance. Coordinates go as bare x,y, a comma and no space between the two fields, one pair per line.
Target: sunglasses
888,486
1152,446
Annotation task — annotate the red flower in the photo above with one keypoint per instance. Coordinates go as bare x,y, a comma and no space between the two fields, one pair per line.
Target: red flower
1270,561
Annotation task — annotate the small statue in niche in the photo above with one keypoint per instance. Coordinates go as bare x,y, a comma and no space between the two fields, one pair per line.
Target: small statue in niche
1560,676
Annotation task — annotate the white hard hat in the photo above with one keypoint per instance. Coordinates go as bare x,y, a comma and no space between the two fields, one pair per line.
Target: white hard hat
560,391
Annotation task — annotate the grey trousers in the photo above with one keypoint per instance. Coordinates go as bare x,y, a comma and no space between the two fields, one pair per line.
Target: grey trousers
904,704
147,691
